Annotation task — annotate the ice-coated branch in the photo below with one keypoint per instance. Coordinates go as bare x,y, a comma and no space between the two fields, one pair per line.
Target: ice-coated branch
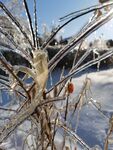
74,135
109,138
36,27
78,14
7,109
10,70
5,45
94,25
30,21
14,20
11,39
86,10
5,84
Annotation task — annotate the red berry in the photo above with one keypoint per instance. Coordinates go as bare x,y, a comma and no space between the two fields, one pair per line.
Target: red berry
70,87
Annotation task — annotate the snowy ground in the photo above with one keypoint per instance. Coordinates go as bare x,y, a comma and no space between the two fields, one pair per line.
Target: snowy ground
92,125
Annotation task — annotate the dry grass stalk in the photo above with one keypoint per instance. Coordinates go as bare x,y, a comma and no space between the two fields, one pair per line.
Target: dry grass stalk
109,138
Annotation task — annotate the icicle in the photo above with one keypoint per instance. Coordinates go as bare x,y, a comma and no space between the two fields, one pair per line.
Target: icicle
15,140
1,101
36,26
29,21
51,79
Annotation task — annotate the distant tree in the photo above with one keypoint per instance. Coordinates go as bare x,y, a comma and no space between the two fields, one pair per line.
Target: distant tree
53,42
45,31
90,44
103,1
109,43
63,41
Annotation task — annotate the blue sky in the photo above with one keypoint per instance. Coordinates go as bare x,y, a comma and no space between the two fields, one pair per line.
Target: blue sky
50,11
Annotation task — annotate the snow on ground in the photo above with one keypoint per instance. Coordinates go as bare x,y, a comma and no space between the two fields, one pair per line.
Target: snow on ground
92,125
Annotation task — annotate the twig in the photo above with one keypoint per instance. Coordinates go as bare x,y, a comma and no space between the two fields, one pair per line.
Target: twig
110,131
99,109
86,10
66,110
7,109
35,17
30,21
54,131
6,86
74,135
